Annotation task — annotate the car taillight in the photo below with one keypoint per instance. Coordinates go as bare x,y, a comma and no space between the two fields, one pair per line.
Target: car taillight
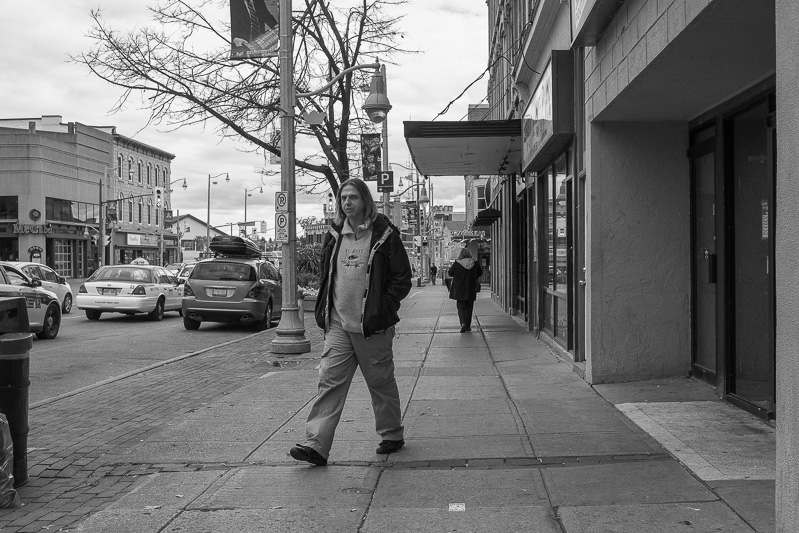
187,290
256,291
82,289
139,291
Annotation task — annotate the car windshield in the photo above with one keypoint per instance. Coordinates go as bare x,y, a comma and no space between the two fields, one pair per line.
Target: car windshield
221,271
174,267
186,270
122,273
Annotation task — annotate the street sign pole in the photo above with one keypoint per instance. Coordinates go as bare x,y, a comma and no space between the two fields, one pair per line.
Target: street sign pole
290,333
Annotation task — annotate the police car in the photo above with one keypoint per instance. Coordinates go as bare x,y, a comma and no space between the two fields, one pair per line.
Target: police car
44,310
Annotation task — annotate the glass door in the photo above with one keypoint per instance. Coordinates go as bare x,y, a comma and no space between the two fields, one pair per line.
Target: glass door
751,153
704,256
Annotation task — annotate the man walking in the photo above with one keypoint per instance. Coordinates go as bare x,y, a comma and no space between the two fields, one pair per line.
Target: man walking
433,271
365,275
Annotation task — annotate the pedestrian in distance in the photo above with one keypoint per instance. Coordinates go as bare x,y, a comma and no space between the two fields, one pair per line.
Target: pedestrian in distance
433,271
465,273
365,275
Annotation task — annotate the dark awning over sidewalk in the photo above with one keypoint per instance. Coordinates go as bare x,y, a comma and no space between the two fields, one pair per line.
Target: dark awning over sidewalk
486,217
469,148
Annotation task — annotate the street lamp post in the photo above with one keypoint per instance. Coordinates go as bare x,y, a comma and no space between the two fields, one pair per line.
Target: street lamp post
208,212
290,333
163,222
101,217
246,194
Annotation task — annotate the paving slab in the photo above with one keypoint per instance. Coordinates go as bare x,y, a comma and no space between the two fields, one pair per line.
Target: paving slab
474,487
654,481
479,519
444,408
754,500
291,487
154,451
475,447
461,425
128,520
266,520
606,420
580,444
713,439
652,518
658,390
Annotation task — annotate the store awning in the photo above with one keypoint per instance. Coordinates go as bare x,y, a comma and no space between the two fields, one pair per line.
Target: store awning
486,217
468,148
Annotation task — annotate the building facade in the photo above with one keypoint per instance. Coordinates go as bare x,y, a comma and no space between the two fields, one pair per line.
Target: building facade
643,207
59,181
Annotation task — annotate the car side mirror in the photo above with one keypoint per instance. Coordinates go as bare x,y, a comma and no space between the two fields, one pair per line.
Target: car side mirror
62,280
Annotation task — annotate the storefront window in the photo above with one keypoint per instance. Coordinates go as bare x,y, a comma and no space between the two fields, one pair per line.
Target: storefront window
57,209
9,207
559,212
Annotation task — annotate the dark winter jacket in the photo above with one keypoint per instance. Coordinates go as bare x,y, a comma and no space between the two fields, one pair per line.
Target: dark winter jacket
389,272
465,274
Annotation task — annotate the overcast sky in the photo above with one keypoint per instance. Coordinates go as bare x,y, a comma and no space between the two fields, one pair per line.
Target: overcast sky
37,80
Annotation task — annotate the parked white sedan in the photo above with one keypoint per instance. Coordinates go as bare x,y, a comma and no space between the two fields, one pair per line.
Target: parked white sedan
130,289
44,311
50,279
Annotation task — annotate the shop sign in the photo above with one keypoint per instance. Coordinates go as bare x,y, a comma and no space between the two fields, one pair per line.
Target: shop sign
33,228
547,124
469,234
141,239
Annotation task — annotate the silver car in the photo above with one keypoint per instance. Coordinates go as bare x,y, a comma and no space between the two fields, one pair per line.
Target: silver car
50,279
130,289
44,310
234,290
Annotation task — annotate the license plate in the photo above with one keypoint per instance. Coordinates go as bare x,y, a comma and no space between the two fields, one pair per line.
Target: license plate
219,293
109,292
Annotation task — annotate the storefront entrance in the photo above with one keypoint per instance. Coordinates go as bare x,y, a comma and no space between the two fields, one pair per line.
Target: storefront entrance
733,163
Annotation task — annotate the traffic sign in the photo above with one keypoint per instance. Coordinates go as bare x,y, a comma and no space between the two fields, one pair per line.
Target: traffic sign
282,201
281,227
385,181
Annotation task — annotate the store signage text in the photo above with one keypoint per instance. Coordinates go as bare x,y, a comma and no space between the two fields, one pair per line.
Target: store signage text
33,228
537,122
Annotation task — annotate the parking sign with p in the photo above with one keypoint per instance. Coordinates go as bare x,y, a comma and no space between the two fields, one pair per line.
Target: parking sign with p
385,181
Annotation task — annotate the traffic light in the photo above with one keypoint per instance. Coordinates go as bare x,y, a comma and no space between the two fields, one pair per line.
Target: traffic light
158,193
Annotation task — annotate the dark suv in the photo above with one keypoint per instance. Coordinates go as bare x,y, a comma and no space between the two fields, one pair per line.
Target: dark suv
234,290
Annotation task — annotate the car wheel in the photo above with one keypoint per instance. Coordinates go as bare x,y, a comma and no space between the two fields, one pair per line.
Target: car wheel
266,323
157,313
91,314
52,322
66,307
190,324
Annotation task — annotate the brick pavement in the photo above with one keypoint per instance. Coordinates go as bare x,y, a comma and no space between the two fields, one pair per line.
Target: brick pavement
69,438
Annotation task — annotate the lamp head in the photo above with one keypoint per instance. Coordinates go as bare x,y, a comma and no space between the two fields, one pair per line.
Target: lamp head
377,105
184,184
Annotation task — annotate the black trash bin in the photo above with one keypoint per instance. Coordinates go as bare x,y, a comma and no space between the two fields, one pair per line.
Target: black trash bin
16,342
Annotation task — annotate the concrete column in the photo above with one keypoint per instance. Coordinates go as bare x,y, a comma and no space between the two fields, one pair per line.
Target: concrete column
787,275
638,254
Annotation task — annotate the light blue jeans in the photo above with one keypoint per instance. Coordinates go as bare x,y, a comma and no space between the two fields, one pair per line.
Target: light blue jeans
343,352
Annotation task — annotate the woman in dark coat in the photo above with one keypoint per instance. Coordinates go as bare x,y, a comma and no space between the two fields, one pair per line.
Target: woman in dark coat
465,273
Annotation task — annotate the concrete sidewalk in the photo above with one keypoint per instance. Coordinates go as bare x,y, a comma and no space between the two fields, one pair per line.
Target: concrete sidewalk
501,436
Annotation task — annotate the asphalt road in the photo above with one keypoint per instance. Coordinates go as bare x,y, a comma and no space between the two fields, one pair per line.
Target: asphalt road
86,352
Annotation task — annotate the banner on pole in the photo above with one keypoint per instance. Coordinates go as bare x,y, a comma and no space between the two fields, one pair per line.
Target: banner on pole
254,28
371,156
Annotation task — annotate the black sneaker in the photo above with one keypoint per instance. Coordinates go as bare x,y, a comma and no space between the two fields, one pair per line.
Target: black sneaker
389,446
307,454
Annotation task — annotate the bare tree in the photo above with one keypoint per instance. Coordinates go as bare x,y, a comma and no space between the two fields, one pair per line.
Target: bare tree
180,67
